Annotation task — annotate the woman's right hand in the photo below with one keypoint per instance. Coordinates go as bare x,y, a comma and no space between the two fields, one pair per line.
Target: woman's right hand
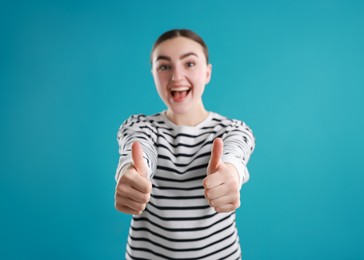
132,192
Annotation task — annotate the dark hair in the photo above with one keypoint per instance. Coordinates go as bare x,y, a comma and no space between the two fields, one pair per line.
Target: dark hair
182,33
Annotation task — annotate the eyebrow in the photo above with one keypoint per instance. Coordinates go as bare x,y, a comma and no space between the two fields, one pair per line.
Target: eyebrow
164,57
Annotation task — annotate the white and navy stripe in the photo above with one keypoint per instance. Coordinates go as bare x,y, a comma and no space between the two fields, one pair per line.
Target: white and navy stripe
178,223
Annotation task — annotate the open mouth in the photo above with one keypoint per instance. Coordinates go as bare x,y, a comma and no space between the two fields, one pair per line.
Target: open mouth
180,93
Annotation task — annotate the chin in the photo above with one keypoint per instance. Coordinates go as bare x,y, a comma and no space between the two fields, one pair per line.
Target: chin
179,111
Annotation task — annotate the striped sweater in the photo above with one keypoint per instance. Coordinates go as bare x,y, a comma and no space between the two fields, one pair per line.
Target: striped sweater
178,223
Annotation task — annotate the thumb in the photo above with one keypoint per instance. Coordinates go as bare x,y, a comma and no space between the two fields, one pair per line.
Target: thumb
138,160
216,154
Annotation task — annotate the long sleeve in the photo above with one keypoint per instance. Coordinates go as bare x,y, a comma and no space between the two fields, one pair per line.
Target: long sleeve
239,144
136,128
178,222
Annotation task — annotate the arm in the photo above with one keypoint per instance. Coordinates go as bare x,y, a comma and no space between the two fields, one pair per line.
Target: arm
239,144
136,129
227,170
136,164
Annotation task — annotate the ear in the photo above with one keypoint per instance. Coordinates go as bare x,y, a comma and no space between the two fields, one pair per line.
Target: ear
153,71
208,73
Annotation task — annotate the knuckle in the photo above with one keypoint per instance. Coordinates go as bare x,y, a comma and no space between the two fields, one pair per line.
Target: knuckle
205,183
146,197
212,203
207,194
120,189
219,210
125,178
206,197
116,197
117,206
235,187
141,207
149,187
128,176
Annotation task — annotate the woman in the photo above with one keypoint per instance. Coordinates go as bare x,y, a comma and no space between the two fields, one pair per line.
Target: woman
180,171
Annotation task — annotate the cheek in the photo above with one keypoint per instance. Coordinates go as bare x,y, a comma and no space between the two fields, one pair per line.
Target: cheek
161,83
199,78
161,79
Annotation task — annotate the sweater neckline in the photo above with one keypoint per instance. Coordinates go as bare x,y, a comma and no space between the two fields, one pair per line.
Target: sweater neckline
199,125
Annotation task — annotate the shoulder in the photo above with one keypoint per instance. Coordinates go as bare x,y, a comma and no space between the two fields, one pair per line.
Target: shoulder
236,133
141,123
229,123
142,119
139,119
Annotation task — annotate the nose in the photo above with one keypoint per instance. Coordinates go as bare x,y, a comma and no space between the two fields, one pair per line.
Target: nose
177,73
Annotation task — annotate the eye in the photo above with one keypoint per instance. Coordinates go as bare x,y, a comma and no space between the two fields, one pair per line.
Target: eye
190,64
163,67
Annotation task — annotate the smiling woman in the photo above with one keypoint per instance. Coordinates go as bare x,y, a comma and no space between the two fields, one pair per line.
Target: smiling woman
180,72
180,171
178,92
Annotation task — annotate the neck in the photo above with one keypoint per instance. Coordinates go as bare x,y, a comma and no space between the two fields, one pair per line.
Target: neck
188,119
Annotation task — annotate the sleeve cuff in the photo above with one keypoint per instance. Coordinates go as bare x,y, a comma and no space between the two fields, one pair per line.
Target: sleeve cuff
125,165
239,166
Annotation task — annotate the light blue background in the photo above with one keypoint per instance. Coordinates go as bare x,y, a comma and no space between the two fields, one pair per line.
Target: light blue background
72,71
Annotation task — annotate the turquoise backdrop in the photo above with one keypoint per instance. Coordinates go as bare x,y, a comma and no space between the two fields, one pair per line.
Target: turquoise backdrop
72,71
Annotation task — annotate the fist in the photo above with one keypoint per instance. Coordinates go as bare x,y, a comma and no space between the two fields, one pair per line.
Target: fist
222,186
132,192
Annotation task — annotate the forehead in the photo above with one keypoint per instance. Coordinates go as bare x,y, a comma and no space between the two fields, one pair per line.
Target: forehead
176,47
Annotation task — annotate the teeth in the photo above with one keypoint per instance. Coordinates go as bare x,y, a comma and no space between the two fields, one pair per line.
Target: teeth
180,89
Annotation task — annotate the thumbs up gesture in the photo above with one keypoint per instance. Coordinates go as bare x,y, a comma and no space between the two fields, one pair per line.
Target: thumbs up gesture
132,192
222,187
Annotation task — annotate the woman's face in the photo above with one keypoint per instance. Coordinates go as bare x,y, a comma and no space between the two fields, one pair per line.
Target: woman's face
180,74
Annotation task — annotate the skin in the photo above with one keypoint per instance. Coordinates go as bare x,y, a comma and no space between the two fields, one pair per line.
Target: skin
180,63
132,192
222,184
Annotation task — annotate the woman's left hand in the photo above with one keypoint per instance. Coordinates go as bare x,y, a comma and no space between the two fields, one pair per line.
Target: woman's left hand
222,185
